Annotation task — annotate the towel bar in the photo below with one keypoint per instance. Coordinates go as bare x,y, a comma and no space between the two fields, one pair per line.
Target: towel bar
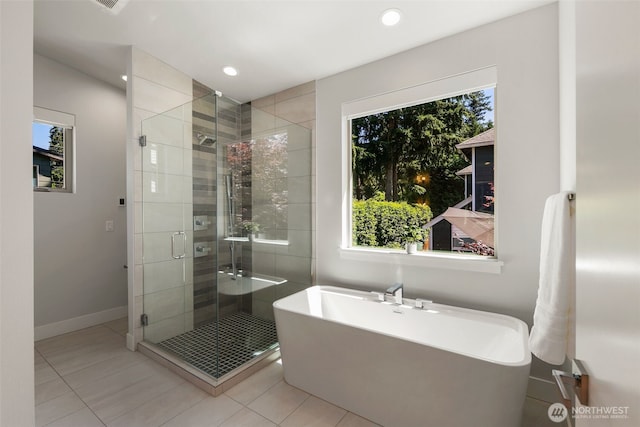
579,383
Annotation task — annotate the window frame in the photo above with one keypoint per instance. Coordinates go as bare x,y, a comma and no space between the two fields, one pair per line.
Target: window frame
431,91
68,123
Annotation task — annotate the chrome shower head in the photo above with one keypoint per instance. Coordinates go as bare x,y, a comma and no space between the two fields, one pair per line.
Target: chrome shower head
205,140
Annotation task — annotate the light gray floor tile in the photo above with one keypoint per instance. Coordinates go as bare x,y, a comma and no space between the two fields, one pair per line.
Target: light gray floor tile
247,418
278,402
251,388
50,390
121,361
96,391
209,412
82,418
114,405
314,412
119,326
353,420
57,408
66,362
44,373
162,408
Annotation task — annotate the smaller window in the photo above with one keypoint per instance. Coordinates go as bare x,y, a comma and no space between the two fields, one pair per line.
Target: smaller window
52,141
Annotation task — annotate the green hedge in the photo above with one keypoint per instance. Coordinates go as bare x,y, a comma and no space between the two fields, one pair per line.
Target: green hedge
385,224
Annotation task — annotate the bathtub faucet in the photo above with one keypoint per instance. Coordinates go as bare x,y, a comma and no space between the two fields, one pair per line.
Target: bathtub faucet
396,291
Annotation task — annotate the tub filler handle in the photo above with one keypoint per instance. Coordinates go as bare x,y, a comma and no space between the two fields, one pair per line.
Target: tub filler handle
579,381
379,295
420,303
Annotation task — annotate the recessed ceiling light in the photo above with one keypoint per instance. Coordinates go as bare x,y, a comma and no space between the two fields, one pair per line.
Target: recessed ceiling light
124,77
390,17
230,71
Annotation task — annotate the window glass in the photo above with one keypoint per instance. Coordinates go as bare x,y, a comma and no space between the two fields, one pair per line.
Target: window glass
52,150
425,173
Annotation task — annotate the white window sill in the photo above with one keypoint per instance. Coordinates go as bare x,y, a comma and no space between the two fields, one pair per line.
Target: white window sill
460,262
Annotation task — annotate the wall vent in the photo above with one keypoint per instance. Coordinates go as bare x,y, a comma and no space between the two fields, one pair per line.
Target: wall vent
112,6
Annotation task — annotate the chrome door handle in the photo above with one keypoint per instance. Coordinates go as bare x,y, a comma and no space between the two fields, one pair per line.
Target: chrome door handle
173,245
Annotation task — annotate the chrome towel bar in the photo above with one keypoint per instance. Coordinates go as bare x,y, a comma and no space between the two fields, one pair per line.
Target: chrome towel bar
579,382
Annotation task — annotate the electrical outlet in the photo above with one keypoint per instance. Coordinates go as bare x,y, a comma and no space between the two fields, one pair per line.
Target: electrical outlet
108,225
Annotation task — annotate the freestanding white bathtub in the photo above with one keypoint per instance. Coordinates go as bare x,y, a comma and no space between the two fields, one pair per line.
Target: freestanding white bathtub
403,366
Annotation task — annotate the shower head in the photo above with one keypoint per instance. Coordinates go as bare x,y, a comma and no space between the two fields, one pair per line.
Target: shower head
206,140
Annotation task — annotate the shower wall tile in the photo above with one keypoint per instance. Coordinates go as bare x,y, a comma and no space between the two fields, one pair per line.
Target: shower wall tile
164,329
163,158
163,216
265,103
164,304
262,121
299,244
300,217
299,163
163,188
296,91
299,189
163,275
165,130
293,268
152,69
264,263
155,97
157,247
298,109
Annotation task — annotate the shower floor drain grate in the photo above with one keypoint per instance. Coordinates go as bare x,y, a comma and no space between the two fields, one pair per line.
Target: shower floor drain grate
240,338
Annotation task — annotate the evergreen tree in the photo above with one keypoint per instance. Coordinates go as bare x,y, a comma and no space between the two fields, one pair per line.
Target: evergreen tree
56,147
391,149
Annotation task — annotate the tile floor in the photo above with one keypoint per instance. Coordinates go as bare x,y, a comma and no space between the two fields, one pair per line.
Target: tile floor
88,378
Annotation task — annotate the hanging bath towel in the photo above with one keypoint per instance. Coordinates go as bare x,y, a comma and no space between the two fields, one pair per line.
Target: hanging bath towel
548,338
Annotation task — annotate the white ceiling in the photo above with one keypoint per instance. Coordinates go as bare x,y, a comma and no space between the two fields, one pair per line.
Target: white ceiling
273,44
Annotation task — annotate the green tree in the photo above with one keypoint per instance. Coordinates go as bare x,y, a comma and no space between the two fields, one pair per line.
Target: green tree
56,147
410,153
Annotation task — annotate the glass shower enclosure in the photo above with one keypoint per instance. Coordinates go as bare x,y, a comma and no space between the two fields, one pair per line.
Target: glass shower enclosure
226,231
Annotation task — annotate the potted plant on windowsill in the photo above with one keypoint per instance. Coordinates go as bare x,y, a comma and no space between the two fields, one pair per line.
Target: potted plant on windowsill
251,228
412,236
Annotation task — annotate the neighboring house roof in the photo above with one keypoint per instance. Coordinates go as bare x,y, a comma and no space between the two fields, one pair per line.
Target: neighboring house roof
47,153
488,137
465,171
440,217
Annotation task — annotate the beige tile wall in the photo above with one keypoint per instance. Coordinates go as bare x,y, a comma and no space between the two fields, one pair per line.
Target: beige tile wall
295,262
160,176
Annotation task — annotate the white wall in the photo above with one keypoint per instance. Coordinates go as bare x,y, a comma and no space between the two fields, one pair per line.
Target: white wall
16,215
608,202
79,267
524,48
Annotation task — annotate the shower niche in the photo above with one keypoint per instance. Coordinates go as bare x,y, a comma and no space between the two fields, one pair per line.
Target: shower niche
226,220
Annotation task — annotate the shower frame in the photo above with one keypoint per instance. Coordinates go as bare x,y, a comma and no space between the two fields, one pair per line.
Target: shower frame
227,237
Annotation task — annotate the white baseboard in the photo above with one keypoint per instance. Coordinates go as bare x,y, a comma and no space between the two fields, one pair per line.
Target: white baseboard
541,389
77,323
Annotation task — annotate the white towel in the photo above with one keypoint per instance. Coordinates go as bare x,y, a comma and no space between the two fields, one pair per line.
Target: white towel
548,338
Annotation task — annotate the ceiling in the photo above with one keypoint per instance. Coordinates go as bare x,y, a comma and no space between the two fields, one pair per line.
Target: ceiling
273,44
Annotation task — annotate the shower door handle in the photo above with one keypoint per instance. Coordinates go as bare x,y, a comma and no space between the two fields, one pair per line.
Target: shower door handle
173,245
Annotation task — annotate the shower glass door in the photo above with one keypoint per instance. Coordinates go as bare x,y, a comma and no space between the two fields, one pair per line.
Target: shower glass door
167,224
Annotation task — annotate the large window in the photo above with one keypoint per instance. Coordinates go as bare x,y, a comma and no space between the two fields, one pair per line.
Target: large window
424,173
53,141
